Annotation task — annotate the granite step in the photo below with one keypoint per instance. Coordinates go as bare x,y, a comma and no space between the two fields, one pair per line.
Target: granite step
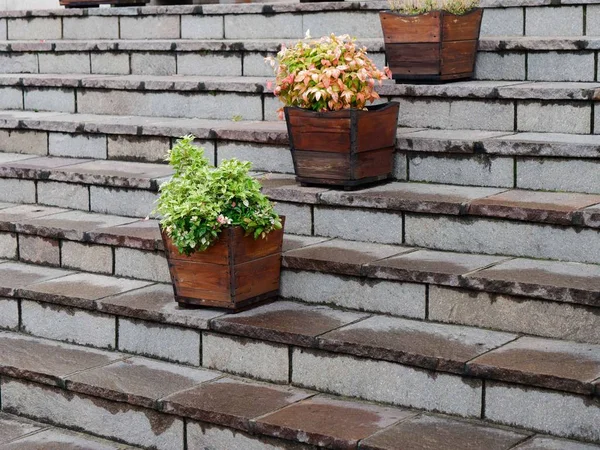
559,107
157,404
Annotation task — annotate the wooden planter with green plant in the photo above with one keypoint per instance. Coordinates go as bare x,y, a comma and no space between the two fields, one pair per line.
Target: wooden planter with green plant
221,235
431,40
335,138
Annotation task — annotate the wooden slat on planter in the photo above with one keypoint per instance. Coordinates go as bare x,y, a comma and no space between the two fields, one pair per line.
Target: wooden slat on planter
414,58
407,29
458,57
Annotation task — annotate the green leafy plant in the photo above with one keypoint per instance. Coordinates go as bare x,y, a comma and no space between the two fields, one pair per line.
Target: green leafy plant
328,74
415,7
200,200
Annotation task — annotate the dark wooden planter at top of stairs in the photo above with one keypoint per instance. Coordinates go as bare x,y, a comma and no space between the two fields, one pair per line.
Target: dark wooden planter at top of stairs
95,3
234,273
432,47
345,148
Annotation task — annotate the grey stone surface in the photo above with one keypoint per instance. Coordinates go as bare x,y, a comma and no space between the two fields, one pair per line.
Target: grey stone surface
549,443
3,29
547,411
8,245
503,238
474,170
400,172
593,20
11,98
153,64
554,118
211,64
591,216
574,175
56,438
258,26
39,250
298,217
515,314
202,27
546,144
90,258
246,357
255,65
272,104
133,425
17,191
159,341
123,202
361,24
401,299
500,66
110,63
358,225
64,63
9,314
386,382
549,21
43,99
262,157
560,66
133,263
67,324
28,142
502,22
91,27
138,148
77,145
18,63
65,195
150,27
34,28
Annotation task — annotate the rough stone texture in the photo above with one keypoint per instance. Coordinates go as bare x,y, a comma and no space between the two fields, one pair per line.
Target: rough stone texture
141,264
213,64
159,341
255,66
3,29
298,217
64,63
591,216
150,27
479,170
28,142
8,245
17,275
400,172
510,238
142,234
138,148
386,382
12,427
34,28
91,28
442,434
559,365
593,20
500,66
202,27
257,26
328,422
65,440
232,403
358,225
18,63
554,66
291,242
560,175
562,21
547,411
548,443
9,315
69,325
41,99
110,63
404,299
65,195
247,357
137,381
89,258
282,187
356,24
153,64
17,191
502,22
270,159
39,250
112,420
553,117
11,98
515,314
77,145
123,202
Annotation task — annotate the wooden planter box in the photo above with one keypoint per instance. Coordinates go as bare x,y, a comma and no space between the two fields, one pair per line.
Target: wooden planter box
95,3
433,47
345,148
234,273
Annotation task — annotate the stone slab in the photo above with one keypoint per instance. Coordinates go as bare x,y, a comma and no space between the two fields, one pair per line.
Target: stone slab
549,443
39,250
123,201
280,187
291,242
9,314
140,264
16,275
443,141
142,234
12,427
88,258
572,175
63,440
545,144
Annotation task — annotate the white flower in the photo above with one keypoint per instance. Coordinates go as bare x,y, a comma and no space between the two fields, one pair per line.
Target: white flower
307,35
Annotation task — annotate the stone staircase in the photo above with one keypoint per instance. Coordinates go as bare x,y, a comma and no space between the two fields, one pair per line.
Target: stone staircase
454,308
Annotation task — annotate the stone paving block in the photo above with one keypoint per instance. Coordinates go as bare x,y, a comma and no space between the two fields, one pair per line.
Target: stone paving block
502,22
91,27
47,99
138,148
510,238
255,65
39,250
593,20
258,26
28,142
150,27
65,195
400,172
17,191
142,234
123,202
11,98
202,27
135,263
246,357
271,106
159,341
12,427
442,434
34,28
153,64
55,438
89,258
477,170
9,315
386,382
68,324
553,118
16,275
136,426
561,414
319,420
110,63
358,225
560,175
18,63
64,63
283,188
514,314
3,29
444,141
77,145
292,242
500,66
561,21
549,443
555,66
298,217
591,216
356,24
403,299
137,381
267,158
230,402
8,246
212,64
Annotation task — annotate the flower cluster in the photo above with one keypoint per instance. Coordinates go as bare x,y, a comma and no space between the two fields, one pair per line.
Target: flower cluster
328,74
414,7
200,200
